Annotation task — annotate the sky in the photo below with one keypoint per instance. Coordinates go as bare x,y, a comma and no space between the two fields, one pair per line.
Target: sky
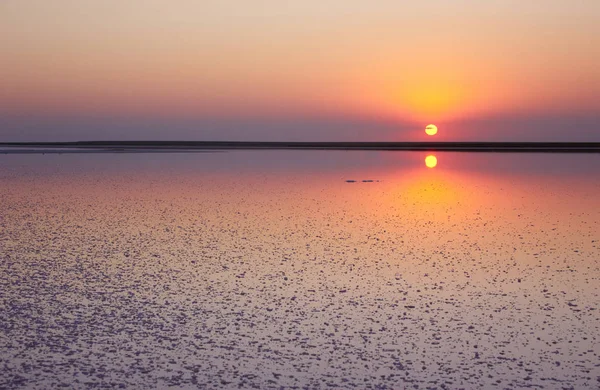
302,70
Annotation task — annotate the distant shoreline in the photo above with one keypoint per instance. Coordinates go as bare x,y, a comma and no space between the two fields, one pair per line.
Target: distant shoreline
199,146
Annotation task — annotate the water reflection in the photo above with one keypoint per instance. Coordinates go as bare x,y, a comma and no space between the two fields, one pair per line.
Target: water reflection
271,270
431,161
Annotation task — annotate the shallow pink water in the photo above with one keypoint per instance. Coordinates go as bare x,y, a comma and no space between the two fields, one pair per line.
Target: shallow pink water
260,270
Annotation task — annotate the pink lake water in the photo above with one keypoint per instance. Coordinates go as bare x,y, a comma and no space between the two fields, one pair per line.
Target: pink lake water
272,270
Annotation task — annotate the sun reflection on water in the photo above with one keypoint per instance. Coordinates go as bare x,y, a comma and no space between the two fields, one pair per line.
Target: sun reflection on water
431,161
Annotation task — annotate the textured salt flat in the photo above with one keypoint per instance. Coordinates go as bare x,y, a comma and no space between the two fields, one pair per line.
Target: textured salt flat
425,279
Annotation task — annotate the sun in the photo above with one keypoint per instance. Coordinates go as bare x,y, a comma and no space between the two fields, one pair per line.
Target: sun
431,161
431,130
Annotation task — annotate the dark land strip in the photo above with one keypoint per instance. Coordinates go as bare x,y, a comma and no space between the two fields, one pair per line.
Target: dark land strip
197,146
101,151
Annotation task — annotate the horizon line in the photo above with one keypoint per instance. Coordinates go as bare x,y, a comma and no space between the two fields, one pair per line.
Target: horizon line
195,146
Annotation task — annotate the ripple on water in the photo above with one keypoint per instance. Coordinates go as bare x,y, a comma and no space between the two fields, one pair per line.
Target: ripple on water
178,281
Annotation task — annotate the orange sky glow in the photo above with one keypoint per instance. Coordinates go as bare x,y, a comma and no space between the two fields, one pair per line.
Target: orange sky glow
421,63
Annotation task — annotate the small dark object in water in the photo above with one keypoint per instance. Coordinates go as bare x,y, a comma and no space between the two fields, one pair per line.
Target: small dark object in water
350,181
367,181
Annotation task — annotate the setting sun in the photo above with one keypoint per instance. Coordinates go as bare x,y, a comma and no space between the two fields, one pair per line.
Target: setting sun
431,130
431,161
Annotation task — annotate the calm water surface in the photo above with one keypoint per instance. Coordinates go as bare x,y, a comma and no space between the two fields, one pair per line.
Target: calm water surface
271,270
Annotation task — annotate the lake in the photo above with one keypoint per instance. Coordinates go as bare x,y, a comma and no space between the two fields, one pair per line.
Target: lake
300,270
